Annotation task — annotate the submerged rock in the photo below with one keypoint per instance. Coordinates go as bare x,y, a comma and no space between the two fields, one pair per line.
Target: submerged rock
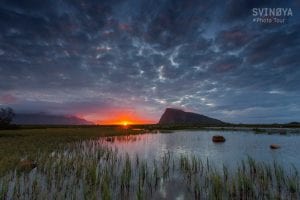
218,138
274,146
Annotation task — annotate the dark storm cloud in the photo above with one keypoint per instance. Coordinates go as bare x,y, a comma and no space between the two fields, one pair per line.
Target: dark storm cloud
226,64
239,10
178,22
235,38
273,45
88,57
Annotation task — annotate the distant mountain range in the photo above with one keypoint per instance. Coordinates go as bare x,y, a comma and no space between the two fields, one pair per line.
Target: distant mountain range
47,119
176,116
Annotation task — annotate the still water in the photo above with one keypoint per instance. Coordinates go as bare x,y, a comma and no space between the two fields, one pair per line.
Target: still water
238,146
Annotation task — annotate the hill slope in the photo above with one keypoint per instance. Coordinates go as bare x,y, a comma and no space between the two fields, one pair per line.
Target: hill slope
46,119
176,116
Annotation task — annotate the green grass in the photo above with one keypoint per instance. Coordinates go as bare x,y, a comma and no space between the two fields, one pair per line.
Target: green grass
28,141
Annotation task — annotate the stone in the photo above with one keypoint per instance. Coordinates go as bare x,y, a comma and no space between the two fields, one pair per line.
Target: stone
274,146
218,138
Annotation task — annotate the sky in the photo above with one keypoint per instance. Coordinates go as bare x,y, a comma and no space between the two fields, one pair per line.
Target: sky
112,60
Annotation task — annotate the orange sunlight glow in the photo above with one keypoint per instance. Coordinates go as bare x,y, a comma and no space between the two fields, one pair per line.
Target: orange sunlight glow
118,117
124,123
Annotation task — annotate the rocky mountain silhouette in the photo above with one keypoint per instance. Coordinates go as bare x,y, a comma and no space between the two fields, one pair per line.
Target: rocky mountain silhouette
176,116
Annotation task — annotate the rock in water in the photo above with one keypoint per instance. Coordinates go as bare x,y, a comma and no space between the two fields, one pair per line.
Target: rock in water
176,116
218,138
274,146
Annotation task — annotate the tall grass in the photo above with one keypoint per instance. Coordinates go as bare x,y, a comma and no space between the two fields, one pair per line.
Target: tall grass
30,141
91,170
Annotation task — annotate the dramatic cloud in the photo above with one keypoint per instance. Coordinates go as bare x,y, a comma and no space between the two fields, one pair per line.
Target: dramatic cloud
95,59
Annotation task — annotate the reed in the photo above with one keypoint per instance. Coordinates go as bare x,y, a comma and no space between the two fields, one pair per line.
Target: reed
89,170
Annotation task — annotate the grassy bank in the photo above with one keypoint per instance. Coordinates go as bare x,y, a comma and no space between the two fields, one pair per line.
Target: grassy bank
89,170
28,141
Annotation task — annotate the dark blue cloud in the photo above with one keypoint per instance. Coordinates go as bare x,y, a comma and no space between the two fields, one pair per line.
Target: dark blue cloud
88,57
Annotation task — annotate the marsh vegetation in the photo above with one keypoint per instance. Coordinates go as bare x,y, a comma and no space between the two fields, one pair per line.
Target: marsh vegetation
28,141
76,167
89,170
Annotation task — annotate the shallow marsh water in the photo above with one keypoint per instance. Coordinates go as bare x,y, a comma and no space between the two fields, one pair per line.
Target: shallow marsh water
238,146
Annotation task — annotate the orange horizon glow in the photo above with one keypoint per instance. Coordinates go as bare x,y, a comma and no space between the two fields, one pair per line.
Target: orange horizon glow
123,122
117,117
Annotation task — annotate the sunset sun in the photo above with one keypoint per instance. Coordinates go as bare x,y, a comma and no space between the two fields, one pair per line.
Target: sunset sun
125,122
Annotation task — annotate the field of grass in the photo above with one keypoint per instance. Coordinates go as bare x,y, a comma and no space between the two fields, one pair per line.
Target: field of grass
28,141
72,164
89,170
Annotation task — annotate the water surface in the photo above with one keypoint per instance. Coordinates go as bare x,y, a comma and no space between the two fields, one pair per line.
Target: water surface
238,146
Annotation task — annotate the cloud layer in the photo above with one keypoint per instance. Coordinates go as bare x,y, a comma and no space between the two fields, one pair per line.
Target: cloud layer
94,58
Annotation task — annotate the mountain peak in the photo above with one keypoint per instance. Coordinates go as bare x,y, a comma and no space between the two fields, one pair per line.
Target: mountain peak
177,116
